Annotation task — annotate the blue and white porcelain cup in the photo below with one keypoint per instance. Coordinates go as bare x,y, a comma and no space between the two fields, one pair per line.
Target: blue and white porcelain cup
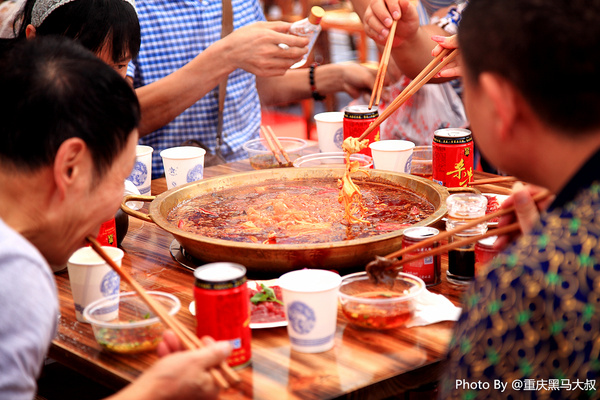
330,131
310,297
141,175
92,278
183,165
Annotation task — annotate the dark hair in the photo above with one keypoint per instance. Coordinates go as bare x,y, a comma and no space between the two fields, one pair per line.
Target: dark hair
52,90
548,49
93,23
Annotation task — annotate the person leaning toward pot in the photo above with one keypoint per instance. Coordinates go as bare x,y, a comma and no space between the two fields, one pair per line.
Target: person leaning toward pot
68,142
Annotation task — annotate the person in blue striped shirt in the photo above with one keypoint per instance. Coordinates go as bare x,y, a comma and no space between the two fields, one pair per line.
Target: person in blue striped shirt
183,59
182,50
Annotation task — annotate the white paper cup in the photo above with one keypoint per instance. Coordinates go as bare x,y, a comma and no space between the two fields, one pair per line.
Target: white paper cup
311,303
330,131
141,175
183,165
92,278
392,155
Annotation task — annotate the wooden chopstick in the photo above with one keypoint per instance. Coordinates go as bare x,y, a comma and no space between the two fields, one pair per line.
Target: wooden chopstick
271,145
189,340
383,64
275,146
424,76
279,146
499,179
446,234
514,227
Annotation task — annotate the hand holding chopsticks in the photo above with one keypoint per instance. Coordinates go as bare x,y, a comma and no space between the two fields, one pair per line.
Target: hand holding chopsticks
383,64
275,146
188,338
377,268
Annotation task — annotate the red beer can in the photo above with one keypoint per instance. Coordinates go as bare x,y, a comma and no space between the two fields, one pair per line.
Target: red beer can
223,308
428,268
452,157
108,233
356,120
484,252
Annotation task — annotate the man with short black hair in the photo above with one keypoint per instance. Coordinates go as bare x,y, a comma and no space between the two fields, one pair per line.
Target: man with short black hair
530,323
69,133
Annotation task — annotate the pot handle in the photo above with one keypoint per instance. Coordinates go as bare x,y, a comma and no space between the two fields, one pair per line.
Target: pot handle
132,212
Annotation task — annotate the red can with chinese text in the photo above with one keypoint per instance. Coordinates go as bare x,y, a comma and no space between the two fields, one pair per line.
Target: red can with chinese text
484,252
452,157
223,308
356,121
428,268
108,233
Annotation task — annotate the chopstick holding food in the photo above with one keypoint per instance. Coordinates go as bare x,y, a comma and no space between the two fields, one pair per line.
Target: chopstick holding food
383,269
426,74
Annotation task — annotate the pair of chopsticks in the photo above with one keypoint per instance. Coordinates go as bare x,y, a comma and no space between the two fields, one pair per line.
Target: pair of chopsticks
188,338
439,62
500,179
383,64
514,227
275,146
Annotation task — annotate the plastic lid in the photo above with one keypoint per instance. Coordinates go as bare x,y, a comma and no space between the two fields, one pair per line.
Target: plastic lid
466,205
316,13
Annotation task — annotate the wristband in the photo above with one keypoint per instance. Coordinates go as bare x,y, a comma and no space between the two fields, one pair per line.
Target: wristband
311,76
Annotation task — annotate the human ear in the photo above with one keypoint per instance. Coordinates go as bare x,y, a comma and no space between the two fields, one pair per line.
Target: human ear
69,164
30,31
503,99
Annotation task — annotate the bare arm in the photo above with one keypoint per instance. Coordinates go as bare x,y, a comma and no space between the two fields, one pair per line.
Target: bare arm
330,78
253,48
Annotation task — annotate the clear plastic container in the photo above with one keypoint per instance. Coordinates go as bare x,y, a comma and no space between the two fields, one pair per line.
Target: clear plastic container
335,159
308,27
462,209
261,157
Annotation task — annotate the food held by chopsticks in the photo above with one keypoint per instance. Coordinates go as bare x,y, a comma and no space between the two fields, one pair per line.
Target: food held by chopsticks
350,196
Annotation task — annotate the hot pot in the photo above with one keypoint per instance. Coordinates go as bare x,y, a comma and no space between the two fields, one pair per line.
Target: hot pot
275,259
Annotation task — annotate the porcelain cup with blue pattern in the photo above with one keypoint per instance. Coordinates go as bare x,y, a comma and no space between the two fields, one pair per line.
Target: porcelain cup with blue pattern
330,131
92,278
392,155
310,298
183,165
141,174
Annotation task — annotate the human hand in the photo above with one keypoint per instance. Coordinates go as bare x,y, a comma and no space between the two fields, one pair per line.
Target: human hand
380,14
255,48
453,68
179,374
527,212
357,79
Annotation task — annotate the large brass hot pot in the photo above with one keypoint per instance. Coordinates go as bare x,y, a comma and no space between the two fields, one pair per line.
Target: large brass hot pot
275,259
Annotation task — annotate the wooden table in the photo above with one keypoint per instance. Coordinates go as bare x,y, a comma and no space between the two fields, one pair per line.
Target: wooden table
363,363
